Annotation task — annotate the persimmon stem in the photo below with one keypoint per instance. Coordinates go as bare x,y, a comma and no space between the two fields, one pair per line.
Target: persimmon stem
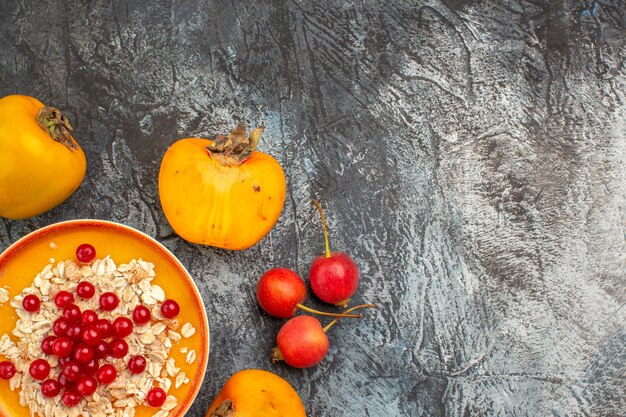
225,409
323,313
332,323
53,122
319,208
235,148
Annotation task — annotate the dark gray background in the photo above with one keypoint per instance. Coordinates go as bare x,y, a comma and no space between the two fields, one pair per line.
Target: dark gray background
470,156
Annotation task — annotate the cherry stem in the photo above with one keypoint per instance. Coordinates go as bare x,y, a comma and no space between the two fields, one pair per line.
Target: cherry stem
323,313
319,208
332,323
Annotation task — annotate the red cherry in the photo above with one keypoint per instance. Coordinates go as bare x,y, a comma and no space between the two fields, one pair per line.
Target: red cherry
62,347
141,314
91,367
71,398
91,336
74,331
85,290
105,328
50,388
302,342
170,309
334,277
118,348
72,313
122,327
85,253
72,371
39,369
106,374
86,385
280,291
156,397
59,327
63,298
83,354
101,350
7,370
89,317
137,364
46,344
108,301
31,303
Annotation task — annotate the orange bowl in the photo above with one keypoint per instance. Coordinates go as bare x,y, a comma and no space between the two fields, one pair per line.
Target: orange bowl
20,263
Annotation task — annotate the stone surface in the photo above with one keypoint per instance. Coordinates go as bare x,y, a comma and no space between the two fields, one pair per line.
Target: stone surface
470,156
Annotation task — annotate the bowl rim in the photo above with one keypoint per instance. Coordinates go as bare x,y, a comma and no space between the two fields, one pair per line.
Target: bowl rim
7,253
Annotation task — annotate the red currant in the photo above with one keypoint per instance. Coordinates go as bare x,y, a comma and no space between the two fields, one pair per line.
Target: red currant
31,303
106,374
108,301
72,371
137,364
65,383
59,327
86,385
74,331
105,328
63,361
156,397
170,309
85,253
7,370
46,344
141,315
118,348
72,313
91,336
63,298
89,317
85,290
83,354
122,327
91,367
101,350
71,398
62,347
50,388
39,369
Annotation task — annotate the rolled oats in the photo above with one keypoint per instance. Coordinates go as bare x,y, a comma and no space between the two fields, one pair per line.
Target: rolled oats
191,356
188,330
152,340
170,403
180,379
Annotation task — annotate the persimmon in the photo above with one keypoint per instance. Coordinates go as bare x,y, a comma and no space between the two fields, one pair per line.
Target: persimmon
41,164
256,393
221,192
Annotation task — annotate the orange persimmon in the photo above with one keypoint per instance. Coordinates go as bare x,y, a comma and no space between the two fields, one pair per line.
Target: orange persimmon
256,393
221,192
41,164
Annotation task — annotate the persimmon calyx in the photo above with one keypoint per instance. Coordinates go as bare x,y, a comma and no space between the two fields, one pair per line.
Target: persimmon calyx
225,409
235,148
56,125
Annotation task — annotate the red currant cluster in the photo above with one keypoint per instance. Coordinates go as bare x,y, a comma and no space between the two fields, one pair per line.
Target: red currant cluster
81,339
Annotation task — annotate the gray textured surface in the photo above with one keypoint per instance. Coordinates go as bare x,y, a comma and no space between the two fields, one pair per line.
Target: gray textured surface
470,156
